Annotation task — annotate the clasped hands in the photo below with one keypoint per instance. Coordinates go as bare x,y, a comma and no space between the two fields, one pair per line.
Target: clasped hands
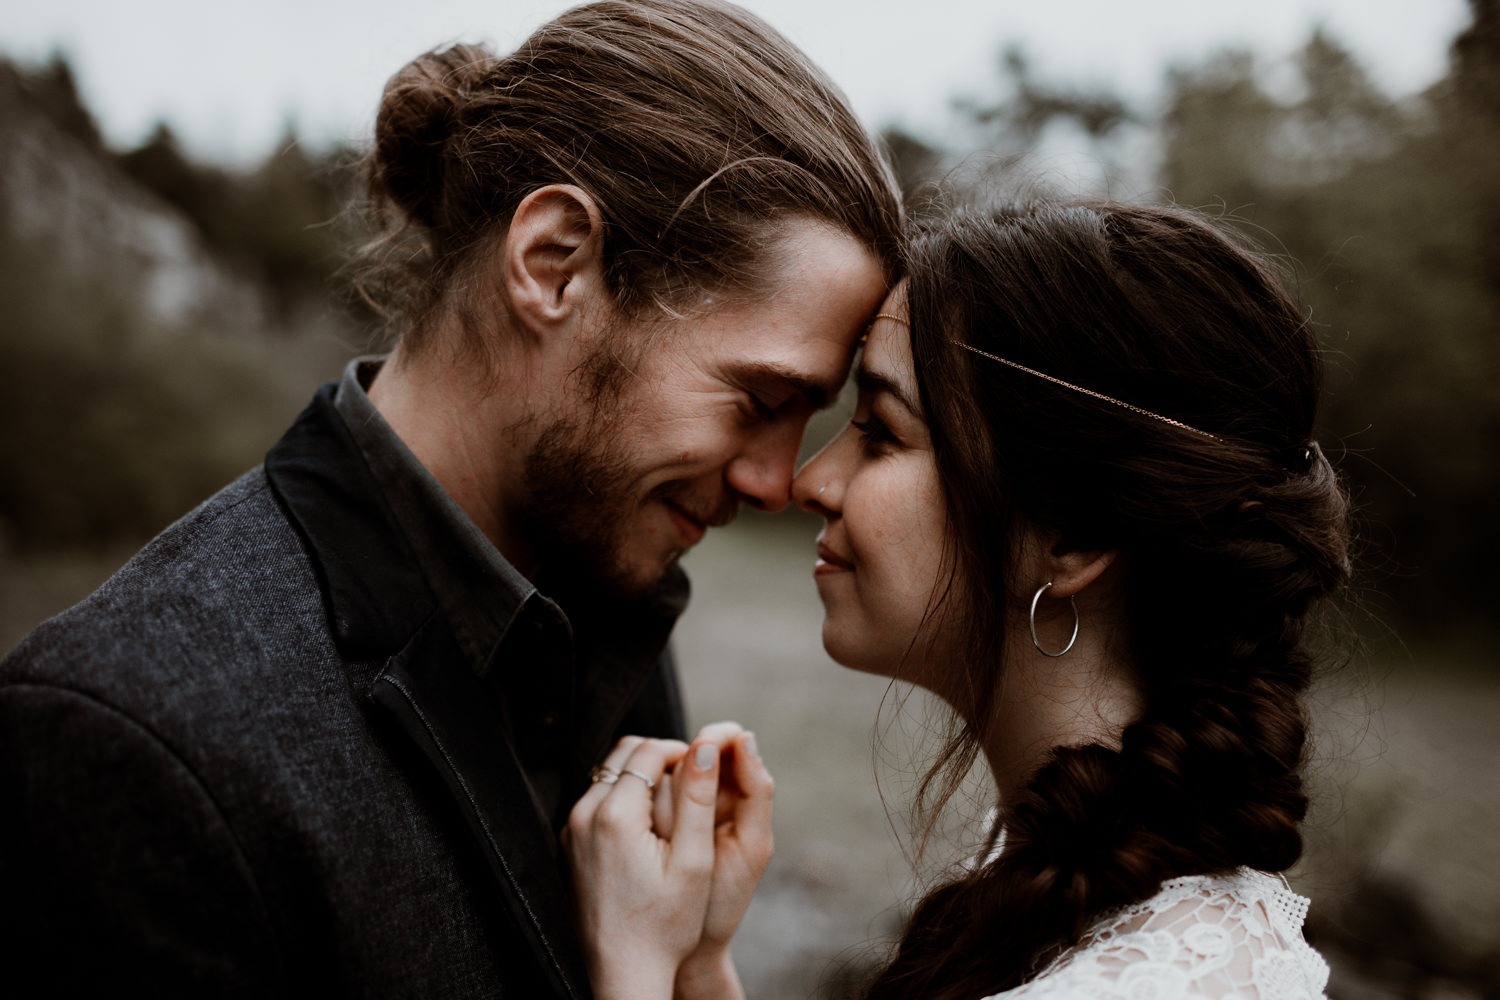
666,849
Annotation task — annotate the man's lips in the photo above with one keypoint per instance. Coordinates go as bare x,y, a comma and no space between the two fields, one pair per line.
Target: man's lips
830,562
689,528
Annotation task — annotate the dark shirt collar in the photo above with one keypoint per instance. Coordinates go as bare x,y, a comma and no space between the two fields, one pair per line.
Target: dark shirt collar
578,661
482,595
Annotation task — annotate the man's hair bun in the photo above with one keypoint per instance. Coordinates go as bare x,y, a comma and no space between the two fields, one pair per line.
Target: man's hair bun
419,112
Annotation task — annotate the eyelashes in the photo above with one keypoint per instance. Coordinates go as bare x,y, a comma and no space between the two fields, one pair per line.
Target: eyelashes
874,433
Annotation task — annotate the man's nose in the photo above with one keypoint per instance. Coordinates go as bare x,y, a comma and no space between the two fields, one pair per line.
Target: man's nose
762,472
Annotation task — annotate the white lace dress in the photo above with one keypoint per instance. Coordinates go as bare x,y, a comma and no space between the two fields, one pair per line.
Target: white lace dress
1237,936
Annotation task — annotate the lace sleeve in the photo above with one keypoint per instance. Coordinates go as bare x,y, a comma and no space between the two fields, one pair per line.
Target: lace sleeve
1234,937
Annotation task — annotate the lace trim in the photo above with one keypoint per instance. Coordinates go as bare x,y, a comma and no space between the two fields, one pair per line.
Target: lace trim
1237,936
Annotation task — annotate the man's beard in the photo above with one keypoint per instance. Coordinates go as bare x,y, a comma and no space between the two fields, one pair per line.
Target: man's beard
581,488
577,503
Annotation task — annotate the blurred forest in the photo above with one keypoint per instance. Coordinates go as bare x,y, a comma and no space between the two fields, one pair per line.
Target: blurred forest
166,318
1385,208
1387,213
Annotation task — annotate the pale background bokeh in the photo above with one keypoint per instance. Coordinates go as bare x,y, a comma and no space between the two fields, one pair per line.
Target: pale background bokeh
228,76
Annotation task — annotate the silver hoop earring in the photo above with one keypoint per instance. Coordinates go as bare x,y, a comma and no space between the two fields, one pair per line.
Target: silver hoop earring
1035,599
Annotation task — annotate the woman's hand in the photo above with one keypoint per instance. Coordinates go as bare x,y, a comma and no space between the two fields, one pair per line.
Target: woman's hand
642,896
742,850
651,909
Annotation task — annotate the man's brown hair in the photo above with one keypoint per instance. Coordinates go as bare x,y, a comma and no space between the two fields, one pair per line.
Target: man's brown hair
694,126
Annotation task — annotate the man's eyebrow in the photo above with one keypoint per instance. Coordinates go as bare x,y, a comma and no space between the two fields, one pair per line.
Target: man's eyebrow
814,392
873,382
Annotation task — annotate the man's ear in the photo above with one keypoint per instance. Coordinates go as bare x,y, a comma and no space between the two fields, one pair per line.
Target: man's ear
551,259
1069,567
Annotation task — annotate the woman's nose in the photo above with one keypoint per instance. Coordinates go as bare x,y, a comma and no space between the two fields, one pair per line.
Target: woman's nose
817,488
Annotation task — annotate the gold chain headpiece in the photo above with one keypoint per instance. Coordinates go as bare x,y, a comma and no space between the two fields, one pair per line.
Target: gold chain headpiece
1088,392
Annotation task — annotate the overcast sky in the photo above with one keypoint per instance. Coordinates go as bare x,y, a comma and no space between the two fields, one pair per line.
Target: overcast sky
227,76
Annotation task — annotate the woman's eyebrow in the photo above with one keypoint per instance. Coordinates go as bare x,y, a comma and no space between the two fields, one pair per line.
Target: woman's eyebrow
874,382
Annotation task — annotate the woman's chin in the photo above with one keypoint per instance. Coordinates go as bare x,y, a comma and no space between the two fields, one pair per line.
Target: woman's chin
835,646
848,651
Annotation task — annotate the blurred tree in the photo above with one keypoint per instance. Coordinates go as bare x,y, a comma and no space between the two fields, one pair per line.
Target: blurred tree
288,209
274,223
113,423
1392,211
201,193
1468,104
52,89
1014,127
1217,127
1029,107
915,162
1475,78
112,429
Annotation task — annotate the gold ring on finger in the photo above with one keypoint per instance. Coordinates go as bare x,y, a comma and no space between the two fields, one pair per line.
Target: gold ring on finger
650,784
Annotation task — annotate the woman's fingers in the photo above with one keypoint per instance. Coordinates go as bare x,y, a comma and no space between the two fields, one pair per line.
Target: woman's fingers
607,775
640,899
672,839
696,791
608,771
642,770
723,734
719,780
664,807
743,841
753,808
751,813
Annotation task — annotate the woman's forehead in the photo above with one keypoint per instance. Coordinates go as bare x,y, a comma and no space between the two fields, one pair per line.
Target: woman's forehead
887,349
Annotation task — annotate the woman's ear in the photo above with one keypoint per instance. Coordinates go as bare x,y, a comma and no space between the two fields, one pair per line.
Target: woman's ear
1071,568
552,262
1079,568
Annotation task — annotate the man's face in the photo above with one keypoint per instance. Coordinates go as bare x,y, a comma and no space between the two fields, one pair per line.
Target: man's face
709,414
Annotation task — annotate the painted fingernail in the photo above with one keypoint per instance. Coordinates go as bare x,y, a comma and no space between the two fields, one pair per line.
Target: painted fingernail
750,746
705,756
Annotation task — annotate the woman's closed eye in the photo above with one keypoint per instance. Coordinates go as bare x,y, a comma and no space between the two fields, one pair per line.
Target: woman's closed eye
873,433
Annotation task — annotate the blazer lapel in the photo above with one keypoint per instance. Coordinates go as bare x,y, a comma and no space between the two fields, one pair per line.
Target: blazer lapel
378,602
448,714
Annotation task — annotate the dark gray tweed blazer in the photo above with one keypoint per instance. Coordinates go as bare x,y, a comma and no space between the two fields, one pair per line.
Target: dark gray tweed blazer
255,764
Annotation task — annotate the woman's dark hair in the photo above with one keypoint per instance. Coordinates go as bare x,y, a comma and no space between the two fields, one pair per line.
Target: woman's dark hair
693,125
1226,541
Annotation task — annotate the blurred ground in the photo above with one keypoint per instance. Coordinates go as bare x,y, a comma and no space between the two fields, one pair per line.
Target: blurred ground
1401,866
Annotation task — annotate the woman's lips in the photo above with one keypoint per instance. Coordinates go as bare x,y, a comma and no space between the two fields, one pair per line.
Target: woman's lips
830,562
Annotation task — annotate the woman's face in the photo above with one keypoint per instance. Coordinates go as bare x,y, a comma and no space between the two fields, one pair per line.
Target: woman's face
880,561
